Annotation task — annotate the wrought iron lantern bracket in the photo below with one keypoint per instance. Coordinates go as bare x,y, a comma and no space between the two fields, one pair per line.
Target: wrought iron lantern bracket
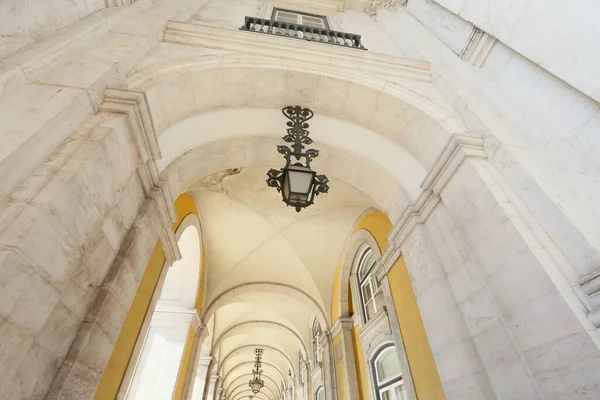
256,384
297,136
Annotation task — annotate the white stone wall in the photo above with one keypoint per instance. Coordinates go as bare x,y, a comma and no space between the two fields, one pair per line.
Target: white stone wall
559,36
24,21
502,320
81,205
538,130
73,186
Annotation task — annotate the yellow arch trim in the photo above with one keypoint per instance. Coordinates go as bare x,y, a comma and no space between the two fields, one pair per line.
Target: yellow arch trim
119,360
416,344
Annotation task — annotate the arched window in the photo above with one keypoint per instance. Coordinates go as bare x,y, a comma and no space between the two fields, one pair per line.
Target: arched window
316,334
389,384
370,289
320,395
300,361
156,371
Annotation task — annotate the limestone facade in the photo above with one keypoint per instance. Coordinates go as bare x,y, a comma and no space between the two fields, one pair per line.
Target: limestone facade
471,125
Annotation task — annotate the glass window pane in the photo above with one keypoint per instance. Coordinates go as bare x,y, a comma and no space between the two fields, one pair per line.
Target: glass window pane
387,365
287,17
313,22
399,392
366,263
376,283
379,300
386,394
370,308
366,291
321,394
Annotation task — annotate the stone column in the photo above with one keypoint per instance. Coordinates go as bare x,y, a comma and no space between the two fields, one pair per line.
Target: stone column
191,376
306,388
201,379
288,394
212,387
328,366
219,395
502,319
343,327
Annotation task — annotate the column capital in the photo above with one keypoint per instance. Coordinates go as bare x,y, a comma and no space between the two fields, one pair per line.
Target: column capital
205,360
341,324
457,149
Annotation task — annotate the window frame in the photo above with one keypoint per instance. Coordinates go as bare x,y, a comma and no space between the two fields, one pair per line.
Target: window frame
320,389
390,383
370,280
323,17
315,332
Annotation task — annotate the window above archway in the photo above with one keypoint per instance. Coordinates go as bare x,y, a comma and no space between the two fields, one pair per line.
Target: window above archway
387,374
320,395
371,294
300,18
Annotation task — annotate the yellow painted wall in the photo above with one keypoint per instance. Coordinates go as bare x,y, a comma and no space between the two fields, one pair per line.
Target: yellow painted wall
379,226
424,371
120,357
340,372
335,296
416,345
359,360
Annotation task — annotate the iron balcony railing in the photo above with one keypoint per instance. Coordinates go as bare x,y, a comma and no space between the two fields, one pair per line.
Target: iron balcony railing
271,27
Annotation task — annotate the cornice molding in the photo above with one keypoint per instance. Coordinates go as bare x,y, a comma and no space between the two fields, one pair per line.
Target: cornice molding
457,149
478,47
280,47
341,324
134,106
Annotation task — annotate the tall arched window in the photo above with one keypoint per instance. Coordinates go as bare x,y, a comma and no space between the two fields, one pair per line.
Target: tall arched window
389,384
370,289
320,395
316,334
156,371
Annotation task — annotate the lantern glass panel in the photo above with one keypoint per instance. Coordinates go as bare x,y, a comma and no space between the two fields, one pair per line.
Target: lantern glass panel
298,183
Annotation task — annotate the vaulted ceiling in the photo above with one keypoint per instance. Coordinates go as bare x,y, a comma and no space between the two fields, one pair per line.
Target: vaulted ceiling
270,270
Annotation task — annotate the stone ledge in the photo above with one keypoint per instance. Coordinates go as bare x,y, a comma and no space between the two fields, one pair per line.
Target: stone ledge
280,47
135,107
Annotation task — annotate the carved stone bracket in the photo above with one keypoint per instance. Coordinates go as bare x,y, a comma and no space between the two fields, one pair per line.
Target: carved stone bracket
375,5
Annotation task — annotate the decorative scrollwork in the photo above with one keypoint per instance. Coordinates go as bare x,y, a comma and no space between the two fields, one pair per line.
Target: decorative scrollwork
310,155
297,135
321,184
274,178
297,115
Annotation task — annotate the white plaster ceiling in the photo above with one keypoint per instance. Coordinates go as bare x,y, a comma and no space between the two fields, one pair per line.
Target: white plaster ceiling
270,270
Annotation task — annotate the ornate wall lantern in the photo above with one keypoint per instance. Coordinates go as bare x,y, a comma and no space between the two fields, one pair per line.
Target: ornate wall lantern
297,183
256,383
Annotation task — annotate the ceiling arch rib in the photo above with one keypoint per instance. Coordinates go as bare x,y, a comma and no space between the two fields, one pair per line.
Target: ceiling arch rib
239,329
242,381
335,136
250,350
354,169
235,293
247,394
251,365
371,90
